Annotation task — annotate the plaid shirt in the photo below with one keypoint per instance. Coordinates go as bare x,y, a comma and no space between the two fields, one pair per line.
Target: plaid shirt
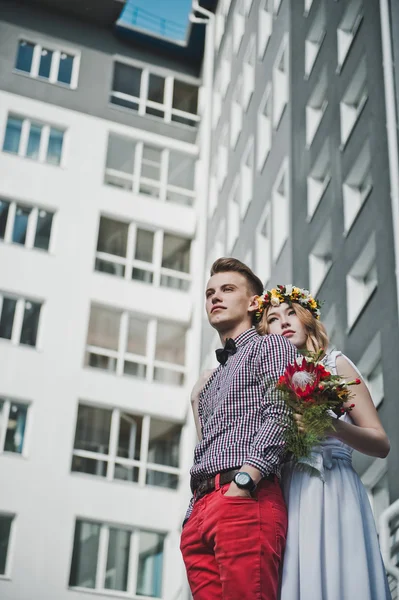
241,413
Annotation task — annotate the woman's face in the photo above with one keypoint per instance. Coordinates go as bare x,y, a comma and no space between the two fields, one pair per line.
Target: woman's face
282,320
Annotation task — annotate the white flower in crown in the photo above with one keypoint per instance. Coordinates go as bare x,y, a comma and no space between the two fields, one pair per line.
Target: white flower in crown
303,300
288,289
274,301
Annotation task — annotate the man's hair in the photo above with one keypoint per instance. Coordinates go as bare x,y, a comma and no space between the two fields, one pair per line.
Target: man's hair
224,265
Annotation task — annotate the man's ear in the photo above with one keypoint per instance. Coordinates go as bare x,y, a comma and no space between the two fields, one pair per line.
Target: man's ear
253,304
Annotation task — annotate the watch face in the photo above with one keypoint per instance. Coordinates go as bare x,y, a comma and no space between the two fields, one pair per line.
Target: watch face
242,479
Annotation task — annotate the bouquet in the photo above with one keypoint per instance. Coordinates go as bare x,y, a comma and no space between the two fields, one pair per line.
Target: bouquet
310,389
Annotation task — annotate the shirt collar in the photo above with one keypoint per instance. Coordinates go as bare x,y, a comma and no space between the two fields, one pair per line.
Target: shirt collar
245,337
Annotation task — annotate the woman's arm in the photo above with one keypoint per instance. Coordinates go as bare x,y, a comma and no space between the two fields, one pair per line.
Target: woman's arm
195,394
367,434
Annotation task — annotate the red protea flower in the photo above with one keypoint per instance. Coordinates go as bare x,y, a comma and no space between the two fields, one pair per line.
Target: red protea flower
302,379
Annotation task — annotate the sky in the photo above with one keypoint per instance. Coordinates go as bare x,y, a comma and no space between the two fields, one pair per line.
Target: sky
172,10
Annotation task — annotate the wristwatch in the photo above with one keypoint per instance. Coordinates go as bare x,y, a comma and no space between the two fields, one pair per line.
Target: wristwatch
244,481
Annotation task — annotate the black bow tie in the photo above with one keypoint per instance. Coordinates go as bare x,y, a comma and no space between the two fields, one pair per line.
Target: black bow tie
222,354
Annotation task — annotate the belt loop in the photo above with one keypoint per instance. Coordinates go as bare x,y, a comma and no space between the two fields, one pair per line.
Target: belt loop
217,482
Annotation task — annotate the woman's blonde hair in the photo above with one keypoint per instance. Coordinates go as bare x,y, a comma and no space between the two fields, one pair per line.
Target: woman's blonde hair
316,334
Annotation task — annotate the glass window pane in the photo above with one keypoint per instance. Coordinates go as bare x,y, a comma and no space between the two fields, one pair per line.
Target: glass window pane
129,442
144,245
5,530
104,327
142,275
124,473
107,266
127,79
112,237
12,137
54,149
4,208
93,427
137,335
46,57
171,343
168,377
7,317
16,428
156,88
151,163
117,560
35,134
163,448
149,572
43,229
85,553
185,97
25,56
30,323
181,170
20,224
98,361
90,466
165,480
120,154
65,68
176,253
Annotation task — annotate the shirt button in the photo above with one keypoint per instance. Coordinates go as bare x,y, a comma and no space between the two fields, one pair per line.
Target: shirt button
218,388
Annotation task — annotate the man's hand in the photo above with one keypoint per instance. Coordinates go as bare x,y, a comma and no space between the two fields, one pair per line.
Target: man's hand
234,490
203,378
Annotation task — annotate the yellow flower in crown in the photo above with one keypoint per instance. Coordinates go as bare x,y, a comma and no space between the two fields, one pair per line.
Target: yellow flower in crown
289,294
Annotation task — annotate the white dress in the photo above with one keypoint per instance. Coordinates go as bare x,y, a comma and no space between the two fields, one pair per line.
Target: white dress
332,550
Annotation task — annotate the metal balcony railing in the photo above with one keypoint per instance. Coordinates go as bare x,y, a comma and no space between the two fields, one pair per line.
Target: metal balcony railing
389,544
135,17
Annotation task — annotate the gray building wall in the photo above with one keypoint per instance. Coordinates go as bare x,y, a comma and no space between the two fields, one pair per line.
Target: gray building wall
380,313
98,46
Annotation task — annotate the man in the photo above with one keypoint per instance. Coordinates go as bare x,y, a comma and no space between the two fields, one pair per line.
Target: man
235,529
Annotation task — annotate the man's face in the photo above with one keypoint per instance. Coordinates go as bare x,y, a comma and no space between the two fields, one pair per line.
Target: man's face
228,300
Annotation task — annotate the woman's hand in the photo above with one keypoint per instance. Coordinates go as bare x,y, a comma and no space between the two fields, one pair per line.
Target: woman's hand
198,387
298,418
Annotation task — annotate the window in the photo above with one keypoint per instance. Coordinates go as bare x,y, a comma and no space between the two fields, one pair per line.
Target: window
263,246
318,179
133,344
106,557
280,211
50,64
34,140
233,215
25,225
265,26
353,102
314,40
223,157
347,30
357,186
219,246
6,526
307,7
123,446
19,320
156,95
13,417
320,259
247,176
330,322
161,173
225,67
280,83
249,74
361,281
316,107
370,366
236,113
276,6
264,137
151,256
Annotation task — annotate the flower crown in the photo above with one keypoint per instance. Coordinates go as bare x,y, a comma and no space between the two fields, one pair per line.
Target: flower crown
288,294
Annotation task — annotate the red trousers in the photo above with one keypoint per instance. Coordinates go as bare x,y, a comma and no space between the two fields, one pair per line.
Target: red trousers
232,546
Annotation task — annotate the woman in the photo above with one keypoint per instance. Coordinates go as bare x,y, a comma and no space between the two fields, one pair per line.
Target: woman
332,550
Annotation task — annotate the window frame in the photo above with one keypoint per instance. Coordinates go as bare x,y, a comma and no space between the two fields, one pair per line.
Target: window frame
120,354
54,69
11,544
112,460
4,418
31,230
17,325
167,106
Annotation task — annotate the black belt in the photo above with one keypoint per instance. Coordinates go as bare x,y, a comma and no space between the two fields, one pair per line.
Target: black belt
208,485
